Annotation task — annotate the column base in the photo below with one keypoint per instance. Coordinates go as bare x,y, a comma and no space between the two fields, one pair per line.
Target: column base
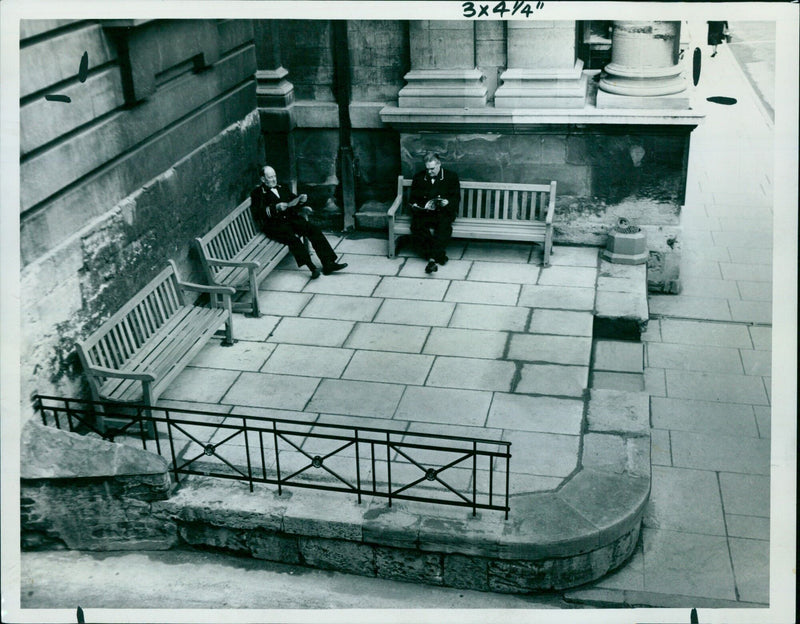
676,101
541,92
443,88
272,88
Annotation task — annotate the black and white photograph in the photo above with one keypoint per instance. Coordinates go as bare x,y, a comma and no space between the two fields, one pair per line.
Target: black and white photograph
364,311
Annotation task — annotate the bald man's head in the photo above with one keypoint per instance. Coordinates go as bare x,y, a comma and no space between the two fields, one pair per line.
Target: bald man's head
269,177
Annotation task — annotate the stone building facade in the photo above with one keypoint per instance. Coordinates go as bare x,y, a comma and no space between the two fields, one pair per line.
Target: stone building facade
170,120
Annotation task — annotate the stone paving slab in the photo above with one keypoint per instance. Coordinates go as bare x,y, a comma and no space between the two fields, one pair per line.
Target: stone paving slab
504,272
655,381
755,291
372,265
342,307
761,338
497,252
751,527
699,333
716,387
609,380
751,568
688,564
752,272
763,420
204,385
745,494
703,416
546,454
344,283
411,288
752,255
359,398
443,405
490,317
685,500
387,337
402,368
254,329
751,311
566,298
281,303
762,240
536,413
613,410
483,292
243,355
562,322
270,390
552,379
308,331
466,342
660,448
453,270
716,452
368,245
308,361
583,277
620,305
702,287
691,358
471,374
567,255
553,349
618,355
414,312
280,279
691,307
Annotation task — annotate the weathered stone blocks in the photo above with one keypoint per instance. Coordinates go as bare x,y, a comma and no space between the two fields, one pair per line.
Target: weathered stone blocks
408,565
339,555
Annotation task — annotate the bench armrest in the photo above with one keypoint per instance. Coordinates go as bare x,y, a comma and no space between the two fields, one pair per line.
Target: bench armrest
223,290
250,264
395,205
118,374
551,208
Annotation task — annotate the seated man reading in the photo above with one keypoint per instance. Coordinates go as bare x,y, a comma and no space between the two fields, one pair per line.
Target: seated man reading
434,198
279,214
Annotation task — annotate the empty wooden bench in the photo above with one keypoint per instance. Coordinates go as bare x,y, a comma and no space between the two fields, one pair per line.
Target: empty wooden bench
491,211
137,353
236,253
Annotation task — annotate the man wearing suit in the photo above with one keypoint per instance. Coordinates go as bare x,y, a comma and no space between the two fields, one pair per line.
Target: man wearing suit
279,214
434,198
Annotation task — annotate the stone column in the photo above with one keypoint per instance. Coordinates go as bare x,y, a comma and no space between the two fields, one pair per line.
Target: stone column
443,72
272,88
543,68
644,70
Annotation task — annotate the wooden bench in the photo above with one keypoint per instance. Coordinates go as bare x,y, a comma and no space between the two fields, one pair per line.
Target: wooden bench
236,253
491,211
137,353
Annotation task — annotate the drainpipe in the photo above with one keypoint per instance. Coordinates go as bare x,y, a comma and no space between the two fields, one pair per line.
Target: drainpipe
342,91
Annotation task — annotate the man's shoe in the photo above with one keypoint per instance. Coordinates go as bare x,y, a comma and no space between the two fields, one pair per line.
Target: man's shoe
442,260
431,267
314,273
336,266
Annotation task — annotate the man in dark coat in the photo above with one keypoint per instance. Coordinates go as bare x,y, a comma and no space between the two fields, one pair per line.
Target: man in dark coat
434,198
280,215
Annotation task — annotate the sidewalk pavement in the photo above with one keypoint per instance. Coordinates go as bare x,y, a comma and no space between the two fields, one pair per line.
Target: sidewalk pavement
706,534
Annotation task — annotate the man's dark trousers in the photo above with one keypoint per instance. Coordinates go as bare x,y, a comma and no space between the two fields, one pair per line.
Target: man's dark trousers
288,231
432,245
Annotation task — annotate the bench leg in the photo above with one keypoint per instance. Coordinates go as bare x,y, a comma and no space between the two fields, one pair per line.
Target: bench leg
255,311
548,249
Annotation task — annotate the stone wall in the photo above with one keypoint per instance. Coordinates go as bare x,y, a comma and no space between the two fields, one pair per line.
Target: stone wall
155,146
83,493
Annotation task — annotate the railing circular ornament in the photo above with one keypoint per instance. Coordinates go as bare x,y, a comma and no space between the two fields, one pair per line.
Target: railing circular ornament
430,474
209,449
317,461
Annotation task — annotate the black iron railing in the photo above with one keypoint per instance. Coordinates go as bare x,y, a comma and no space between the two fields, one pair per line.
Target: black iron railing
365,461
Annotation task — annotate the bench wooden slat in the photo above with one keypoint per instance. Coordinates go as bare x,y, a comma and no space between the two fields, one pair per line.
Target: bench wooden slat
489,210
236,238
152,338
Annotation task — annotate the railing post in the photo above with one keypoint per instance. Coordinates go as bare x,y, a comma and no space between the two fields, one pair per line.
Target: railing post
358,467
172,446
247,452
508,475
277,455
474,478
389,466
37,407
